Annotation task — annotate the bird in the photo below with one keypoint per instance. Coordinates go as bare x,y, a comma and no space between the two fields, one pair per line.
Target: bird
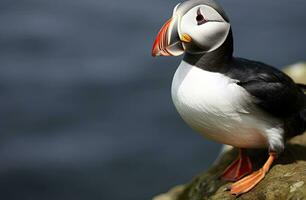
235,101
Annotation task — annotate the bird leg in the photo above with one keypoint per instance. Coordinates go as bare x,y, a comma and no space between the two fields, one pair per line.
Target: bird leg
238,168
249,182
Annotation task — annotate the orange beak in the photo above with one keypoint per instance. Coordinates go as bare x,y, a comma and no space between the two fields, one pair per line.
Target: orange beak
167,42
161,41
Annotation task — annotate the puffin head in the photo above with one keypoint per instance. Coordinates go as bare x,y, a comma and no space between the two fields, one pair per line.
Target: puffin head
196,27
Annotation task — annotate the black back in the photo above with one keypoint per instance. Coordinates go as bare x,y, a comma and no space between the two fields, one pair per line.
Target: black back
275,91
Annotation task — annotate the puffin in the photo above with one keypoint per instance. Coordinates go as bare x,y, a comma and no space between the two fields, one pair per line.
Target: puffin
231,100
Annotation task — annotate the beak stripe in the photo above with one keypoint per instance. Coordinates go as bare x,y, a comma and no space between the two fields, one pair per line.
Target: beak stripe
161,41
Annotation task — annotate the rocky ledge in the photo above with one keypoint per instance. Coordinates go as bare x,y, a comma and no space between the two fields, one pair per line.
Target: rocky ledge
285,180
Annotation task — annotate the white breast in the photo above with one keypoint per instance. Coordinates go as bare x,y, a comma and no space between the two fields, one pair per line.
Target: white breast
216,106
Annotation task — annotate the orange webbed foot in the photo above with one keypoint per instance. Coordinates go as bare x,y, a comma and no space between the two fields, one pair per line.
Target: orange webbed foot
246,184
239,168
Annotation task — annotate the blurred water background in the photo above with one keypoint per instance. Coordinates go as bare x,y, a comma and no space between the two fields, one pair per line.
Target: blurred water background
86,112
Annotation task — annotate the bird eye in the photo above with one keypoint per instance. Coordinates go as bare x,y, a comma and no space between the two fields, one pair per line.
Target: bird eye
200,18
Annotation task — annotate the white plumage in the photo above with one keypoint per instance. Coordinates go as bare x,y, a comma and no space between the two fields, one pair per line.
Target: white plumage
221,110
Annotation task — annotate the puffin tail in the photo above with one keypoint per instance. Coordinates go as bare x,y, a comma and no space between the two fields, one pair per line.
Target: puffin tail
302,86
296,124
303,119
303,112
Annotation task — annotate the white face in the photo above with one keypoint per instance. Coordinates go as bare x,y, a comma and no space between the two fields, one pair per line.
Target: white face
205,26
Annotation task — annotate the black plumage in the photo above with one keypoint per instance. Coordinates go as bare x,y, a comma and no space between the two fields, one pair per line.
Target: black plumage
274,91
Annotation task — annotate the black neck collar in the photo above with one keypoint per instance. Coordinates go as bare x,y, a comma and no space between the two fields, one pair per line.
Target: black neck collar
213,61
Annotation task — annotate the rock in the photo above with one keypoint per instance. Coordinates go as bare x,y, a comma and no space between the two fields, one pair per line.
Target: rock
285,180
172,194
297,72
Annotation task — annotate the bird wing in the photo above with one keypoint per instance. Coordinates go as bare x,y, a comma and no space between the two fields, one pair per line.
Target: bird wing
274,91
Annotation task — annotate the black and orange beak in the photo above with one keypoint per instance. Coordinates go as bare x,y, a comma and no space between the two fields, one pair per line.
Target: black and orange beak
167,42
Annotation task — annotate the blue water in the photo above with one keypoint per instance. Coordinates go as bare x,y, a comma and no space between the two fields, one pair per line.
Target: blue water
86,112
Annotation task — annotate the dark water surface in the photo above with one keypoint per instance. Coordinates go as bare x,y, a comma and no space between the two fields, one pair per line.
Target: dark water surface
86,112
